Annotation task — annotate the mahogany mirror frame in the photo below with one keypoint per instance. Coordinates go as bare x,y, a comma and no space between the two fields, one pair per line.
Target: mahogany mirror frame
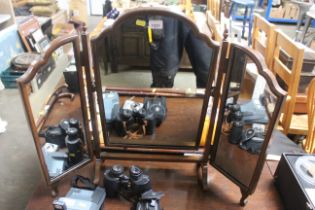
225,68
98,40
23,83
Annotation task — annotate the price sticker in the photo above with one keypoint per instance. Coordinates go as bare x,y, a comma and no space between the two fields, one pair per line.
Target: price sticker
156,24
141,23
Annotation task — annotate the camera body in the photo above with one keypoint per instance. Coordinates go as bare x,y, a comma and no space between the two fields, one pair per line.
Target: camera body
149,201
136,187
67,134
134,117
116,182
55,160
249,138
235,119
88,197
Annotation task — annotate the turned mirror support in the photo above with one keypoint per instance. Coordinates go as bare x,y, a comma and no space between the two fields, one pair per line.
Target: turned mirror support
244,198
54,191
202,174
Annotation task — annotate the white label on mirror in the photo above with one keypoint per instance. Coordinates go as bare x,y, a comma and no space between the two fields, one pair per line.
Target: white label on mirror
156,24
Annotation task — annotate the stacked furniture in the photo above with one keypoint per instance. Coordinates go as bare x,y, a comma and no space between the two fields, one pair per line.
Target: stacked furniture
287,60
289,78
263,37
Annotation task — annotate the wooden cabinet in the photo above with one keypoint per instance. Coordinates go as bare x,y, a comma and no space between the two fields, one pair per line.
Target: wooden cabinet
130,46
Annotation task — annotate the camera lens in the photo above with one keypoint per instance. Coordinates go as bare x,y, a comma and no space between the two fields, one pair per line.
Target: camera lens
235,107
64,125
238,116
72,133
135,172
74,123
125,114
142,113
73,142
116,170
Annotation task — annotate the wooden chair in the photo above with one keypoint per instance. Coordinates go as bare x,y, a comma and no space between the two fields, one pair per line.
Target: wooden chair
263,37
289,78
309,145
215,8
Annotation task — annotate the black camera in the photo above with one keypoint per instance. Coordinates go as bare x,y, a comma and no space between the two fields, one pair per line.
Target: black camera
249,139
57,134
138,118
237,126
82,195
252,140
73,142
234,121
136,187
232,109
67,133
54,135
149,200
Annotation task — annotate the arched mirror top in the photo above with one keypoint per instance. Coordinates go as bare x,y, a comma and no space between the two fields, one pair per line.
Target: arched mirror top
262,68
154,11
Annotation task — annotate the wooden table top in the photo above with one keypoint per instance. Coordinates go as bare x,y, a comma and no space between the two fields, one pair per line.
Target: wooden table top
179,184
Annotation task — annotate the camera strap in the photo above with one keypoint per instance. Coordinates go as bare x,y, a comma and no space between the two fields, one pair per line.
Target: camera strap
86,183
135,134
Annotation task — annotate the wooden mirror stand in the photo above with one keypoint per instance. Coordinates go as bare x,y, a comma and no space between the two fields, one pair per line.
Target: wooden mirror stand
216,94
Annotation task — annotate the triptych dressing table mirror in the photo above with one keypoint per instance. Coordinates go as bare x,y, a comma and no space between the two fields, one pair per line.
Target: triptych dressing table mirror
145,86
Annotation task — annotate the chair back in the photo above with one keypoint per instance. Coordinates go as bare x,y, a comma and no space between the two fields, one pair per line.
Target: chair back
309,146
289,78
263,37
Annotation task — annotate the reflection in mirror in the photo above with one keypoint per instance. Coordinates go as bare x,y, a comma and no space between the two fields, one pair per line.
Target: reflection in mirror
54,97
172,56
155,91
248,112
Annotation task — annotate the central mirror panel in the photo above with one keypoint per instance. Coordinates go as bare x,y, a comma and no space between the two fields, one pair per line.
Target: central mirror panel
153,69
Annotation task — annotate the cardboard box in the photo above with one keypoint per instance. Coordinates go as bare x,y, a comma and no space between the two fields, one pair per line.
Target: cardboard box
291,11
78,9
277,12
